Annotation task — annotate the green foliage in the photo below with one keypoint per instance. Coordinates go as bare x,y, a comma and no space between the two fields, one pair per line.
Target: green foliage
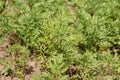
19,55
56,69
84,34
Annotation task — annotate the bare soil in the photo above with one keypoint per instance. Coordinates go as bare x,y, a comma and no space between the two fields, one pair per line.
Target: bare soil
31,63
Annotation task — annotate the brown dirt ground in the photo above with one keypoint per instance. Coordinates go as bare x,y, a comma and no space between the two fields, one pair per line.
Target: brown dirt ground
31,63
